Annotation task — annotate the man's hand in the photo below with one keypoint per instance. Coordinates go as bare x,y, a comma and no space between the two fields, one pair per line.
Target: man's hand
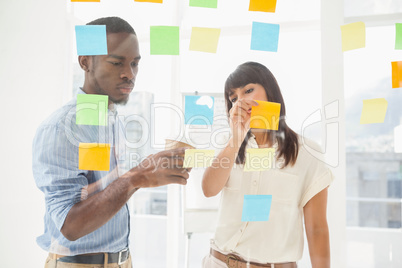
160,169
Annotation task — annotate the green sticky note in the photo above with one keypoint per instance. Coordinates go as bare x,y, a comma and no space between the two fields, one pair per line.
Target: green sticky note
92,109
398,36
164,40
204,3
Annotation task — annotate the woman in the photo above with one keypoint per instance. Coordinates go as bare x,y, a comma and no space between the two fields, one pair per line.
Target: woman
298,186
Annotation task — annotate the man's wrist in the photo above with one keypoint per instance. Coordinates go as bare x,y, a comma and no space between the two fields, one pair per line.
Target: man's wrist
134,178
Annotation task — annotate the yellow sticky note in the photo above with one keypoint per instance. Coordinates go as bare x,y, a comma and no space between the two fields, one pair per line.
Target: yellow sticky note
150,1
258,159
374,111
204,39
266,115
353,36
262,5
396,74
196,158
94,156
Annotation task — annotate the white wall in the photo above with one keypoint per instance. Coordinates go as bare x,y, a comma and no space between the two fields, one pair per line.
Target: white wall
32,77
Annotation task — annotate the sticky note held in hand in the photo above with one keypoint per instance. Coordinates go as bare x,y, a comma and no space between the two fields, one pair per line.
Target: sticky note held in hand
256,207
94,156
198,158
265,115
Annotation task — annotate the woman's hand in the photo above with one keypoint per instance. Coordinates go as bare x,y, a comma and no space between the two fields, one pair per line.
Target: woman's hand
239,119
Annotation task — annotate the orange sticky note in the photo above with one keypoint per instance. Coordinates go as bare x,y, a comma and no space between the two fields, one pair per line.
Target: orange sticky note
353,36
150,1
265,115
262,5
374,111
94,156
396,74
85,0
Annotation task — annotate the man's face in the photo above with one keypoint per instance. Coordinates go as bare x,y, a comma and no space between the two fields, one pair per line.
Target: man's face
114,74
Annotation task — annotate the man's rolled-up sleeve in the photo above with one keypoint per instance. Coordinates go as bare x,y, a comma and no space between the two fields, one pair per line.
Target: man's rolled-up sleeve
56,173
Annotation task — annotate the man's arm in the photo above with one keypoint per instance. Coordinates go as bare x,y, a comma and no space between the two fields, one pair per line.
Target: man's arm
315,219
157,170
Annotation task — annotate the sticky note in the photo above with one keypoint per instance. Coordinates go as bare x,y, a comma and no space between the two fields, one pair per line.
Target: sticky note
164,40
150,1
91,40
92,109
94,156
262,5
374,111
85,0
204,3
259,159
353,36
396,74
204,39
198,110
264,36
398,35
198,158
256,207
266,115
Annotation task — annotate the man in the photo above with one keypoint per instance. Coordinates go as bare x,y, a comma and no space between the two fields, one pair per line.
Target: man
87,218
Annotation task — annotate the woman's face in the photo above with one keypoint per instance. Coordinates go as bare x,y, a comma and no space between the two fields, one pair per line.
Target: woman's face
248,92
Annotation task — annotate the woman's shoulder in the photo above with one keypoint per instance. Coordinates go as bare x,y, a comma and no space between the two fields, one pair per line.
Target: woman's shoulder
310,150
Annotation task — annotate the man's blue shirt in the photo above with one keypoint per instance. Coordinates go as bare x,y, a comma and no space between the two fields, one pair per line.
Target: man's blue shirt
56,173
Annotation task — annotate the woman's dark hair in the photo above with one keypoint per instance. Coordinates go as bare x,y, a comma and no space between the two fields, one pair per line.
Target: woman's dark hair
256,73
114,25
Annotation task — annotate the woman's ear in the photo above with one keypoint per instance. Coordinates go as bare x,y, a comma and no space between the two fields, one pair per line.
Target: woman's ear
84,62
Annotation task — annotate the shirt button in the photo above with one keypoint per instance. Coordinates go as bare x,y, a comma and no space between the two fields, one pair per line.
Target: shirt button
255,183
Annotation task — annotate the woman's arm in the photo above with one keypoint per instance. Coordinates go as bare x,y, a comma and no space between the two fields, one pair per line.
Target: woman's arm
315,220
216,176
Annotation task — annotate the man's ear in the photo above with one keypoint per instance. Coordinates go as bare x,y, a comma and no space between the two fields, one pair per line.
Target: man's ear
84,62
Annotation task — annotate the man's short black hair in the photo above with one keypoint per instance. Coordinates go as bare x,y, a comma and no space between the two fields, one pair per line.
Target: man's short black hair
114,25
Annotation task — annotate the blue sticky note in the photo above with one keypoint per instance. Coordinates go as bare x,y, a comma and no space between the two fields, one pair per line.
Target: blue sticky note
256,207
91,40
264,36
198,110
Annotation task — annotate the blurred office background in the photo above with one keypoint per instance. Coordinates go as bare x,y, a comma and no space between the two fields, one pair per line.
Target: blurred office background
39,72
